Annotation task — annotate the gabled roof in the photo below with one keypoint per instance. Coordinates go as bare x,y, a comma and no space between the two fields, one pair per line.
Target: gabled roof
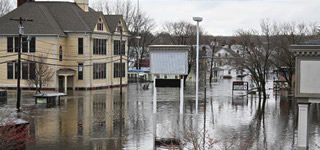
230,51
113,20
56,18
312,42
43,21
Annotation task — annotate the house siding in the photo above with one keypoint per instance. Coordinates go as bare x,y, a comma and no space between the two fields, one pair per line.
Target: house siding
49,47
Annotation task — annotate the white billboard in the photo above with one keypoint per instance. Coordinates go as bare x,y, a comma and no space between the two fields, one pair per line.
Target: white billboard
169,59
308,70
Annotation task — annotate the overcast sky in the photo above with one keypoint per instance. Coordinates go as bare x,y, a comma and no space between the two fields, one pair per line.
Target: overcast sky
224,17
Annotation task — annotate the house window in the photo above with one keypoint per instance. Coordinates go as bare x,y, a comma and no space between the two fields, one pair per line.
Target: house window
11,70
80,71
16,44
119,70
28,70
32,70
226,55
32,47
25,45
99,46
80,46
219,55
100,25
28,45
60,53
10,44
99,71
25,70
117,49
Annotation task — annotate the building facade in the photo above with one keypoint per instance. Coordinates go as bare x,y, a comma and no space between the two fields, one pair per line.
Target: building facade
67,45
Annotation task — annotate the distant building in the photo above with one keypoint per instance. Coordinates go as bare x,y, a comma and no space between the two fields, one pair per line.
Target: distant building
224,62
80,45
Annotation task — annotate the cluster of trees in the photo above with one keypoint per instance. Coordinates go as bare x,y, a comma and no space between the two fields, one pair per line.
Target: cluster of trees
142,28
268,49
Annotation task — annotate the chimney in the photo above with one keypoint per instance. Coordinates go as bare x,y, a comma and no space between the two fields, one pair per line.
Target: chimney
83,4
20,2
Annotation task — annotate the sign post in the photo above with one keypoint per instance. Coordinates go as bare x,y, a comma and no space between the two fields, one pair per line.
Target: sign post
240,87
168,60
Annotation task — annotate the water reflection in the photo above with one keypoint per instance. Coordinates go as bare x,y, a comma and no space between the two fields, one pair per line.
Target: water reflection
99,120
87,120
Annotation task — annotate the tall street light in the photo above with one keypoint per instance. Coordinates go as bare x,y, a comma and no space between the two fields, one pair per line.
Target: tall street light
198,20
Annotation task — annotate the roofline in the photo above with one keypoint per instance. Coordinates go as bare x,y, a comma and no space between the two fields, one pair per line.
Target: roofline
304,47
32,35
170,46
69,31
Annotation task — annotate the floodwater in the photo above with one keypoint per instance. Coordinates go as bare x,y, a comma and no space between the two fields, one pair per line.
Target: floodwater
99,120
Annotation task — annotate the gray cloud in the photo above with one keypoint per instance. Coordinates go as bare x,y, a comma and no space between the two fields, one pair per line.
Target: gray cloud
224,17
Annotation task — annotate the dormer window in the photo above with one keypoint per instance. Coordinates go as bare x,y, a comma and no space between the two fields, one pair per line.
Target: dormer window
119,28
100,25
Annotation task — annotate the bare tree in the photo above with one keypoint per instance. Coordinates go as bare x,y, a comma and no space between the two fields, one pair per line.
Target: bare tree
182,32
124,7
42,74
257,56
5,7
138,23
285,35
142,28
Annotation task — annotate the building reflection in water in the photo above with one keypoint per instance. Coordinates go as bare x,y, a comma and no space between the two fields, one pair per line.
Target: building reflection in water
93,119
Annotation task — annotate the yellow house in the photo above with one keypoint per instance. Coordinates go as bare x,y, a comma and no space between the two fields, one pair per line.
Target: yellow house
79,47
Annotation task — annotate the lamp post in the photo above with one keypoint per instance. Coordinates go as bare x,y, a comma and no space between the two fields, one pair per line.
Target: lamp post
198,20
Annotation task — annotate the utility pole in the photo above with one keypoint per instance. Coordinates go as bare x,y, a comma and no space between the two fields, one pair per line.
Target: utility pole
121,49
21,32
213,46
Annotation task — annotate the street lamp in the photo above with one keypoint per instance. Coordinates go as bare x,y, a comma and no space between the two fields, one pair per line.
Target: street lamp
198,20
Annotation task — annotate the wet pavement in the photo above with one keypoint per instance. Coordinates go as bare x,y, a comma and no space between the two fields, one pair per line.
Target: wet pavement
91,120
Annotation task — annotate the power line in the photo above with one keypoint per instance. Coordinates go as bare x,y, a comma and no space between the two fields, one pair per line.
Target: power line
8,55
73,56
100,57
8,61
77,59
50,64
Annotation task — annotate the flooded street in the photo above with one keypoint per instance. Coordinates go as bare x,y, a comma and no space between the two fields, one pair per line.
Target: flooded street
91,120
